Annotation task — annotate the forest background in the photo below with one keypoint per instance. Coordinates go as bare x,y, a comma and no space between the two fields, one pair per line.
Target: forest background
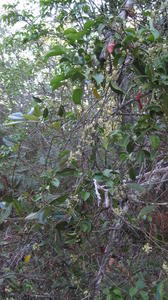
83,155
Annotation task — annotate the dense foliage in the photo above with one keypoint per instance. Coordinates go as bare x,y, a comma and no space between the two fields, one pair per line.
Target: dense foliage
83,156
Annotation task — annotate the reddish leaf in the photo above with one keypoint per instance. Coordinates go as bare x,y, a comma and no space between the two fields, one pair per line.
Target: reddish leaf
138,98
110,46
102,249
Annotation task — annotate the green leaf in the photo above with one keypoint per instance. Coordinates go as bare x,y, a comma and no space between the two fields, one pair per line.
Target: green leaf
146,211
131,173
110,183
57,81
34,215
61,111
144,295
45,113
55,51
67,172
106,291
70,30
59,215
37,99
133,291
105,225
123,156
72,35
59,200
130,30
140,157
86,226
77,96
130,146
14,123
55,182
140,284
136,187
155,141
117,292
56,125
5,213
124,141
89,24
85,195
64,153
40,215
129,38
46,212
37,111
155,34
115,88
17,205
159,291
107,172
100,28
99,78
151,24
31,118
165,104
75,74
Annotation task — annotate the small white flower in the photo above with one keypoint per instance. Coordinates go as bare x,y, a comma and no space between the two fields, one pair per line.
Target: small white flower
147,248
